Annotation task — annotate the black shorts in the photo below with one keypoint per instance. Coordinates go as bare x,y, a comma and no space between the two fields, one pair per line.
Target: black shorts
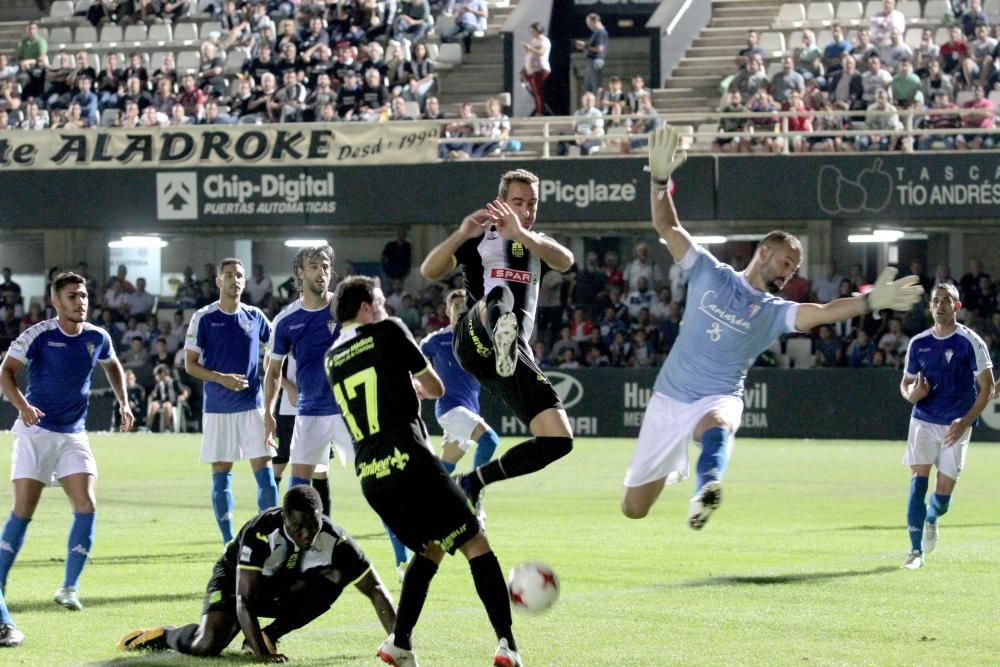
527,392
285,428
409,489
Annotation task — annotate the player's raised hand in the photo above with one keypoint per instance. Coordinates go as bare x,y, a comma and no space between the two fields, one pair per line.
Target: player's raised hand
128,419
475,224
663,158
894,294
507,222
30,415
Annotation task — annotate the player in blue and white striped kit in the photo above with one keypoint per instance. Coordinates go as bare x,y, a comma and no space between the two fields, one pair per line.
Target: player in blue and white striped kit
50,444
223,350
731,317
949,380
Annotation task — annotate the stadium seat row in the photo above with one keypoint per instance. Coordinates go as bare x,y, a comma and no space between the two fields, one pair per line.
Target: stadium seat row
852,12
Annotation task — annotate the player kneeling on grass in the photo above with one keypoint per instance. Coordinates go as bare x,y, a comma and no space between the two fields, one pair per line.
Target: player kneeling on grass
289,563
949,380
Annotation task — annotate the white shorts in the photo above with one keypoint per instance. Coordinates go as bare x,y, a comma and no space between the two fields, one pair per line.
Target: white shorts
312,437
667,428
233,436
458,425
48,456
925,446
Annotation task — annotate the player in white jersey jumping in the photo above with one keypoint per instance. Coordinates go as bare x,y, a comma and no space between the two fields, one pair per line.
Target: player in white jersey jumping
50,444
223,349
501,257
949,381
730,319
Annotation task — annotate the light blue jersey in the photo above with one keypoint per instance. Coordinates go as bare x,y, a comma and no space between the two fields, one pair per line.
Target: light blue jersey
726,325
59,370
230,343
950,365
307,335
461,389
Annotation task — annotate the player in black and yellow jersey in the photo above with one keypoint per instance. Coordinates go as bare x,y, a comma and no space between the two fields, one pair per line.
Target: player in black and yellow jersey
373,367
289,563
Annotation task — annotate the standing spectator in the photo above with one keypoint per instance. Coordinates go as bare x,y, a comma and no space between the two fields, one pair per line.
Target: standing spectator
595,50
471,17
536,65
136,396
259,286
978,121
883,23
589,283
642,267
8,285
397,257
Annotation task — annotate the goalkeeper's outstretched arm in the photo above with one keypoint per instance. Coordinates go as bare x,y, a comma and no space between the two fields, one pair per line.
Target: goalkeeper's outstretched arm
887,294
663,161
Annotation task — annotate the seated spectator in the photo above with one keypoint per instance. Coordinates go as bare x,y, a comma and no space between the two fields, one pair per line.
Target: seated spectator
87,101
906,87
136,68
639,298
936,82
374,101
420,71
636,93
861,351
161,355
834,52
643,351
747,81
470,18
613,97
799,126
874,79
809,57
620,350
139,302
588,127
983,120
413,21
940,121
731,124
33,119
954,51
796,289
926,52
751,50
210,78
978,67
765,128
972,18
831,116
8,69
136,396
136,356
166,70
190,98
882,118
496,126
166,394
462,128
175,10
10,100
235,26
31,318
828,349
287,104
134,92
260,64
885,22
864,49
641,128
893,343
73,119
847,85
581,325
895,52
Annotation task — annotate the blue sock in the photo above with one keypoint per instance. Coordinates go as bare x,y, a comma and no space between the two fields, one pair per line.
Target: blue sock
448,467
267,488
398,550
298,481
10,543
916,511
81,538
5,618
485,447
939,507
714,456
222,502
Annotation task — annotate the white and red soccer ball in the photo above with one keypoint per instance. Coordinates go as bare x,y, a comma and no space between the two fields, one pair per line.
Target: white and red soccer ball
533,587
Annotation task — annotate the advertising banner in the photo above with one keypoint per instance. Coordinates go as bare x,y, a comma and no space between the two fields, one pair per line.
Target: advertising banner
595,189
874,185
221,145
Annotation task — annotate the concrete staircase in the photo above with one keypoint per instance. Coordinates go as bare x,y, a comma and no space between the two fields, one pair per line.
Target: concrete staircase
694,85
10,34
481,74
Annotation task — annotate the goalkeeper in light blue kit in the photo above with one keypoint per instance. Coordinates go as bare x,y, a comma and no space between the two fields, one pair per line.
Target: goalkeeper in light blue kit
949,381
731,317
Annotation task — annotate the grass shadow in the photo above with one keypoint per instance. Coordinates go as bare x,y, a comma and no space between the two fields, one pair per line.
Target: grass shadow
228,657
107,601
144,559
901,526
773,579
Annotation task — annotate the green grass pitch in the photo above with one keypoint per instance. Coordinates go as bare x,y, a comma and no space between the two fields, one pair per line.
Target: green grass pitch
800,565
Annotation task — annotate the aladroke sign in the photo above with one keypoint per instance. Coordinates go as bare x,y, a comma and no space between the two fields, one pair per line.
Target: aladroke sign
219,145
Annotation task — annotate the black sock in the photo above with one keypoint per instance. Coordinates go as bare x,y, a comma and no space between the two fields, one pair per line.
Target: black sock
499,302
523,459
277,484
416,583
180,639
492,589
322,487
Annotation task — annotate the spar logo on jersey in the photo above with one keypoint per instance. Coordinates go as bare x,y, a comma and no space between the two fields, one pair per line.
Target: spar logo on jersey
569,389
513,275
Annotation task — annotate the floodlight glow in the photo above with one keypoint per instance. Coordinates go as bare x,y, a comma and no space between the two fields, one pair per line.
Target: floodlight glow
708,240
138,242
305,243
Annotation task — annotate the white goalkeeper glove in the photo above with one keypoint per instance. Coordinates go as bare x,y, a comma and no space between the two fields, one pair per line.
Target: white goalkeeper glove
663,158
893,295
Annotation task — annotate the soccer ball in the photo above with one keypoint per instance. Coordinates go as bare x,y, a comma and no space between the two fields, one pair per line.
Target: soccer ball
533,587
